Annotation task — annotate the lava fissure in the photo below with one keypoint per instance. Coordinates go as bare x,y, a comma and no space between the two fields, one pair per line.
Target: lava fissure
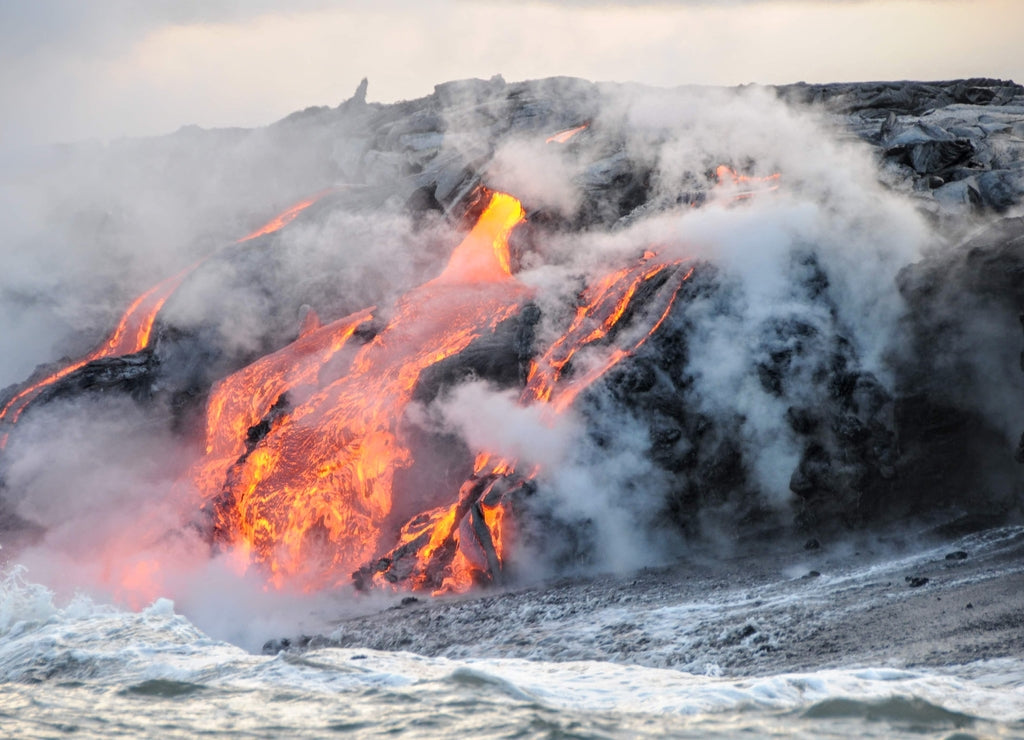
837,362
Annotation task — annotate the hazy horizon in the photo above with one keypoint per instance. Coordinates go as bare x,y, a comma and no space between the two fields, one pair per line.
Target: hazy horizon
113,68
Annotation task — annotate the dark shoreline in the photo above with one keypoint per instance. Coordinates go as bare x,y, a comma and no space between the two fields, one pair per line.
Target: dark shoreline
747,615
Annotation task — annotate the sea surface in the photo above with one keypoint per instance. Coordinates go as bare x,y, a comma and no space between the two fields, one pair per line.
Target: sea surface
89,669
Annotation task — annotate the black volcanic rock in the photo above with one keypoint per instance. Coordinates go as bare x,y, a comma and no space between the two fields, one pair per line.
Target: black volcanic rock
879,99
501,357
134,375
964,354
865,451
959,143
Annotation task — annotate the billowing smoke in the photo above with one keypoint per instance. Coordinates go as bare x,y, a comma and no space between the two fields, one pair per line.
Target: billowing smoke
765,400
819,253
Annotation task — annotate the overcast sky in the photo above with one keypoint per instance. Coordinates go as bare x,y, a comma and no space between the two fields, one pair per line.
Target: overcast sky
73,69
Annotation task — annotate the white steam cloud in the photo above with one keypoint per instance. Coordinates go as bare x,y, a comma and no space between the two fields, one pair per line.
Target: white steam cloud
829,203
100,478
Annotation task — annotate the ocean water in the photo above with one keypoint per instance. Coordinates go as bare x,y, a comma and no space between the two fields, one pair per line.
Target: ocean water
86,669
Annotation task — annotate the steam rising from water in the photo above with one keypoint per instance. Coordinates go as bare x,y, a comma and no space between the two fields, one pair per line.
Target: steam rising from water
100,476
829,205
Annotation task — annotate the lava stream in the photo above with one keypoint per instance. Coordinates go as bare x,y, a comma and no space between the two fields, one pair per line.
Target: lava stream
131,335
285,217
310,500
240,401
135,326
733,182
563,137
451,548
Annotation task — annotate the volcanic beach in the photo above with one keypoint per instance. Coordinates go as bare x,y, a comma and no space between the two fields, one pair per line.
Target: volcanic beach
519,379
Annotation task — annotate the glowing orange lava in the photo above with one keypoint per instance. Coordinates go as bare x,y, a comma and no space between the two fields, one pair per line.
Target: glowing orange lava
303,446
602,307
240,401
563,136
741,187
310,500
285,217
131,335
133,331
451,548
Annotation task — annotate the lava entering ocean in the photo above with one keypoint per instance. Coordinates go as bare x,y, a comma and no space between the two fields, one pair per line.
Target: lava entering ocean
300,476
302,479
531,396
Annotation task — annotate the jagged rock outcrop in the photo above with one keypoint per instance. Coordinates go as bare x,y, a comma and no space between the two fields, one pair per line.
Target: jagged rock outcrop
962,378
956,144
945,435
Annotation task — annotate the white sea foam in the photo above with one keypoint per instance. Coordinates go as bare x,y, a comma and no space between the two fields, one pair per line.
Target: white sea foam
98,645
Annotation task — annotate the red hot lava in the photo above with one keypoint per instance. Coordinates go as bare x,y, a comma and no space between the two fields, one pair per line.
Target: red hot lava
298,475
742,187
285,217
130,336
563,137
311,500
450,548
135,326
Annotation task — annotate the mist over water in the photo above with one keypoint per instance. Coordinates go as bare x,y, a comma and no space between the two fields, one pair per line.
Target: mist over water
152,671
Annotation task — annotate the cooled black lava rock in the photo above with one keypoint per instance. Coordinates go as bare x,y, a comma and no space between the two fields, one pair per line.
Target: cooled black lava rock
261,429
134,375
131,374
958,143
963,355
927,148
1001,189
880,99
500,357
864,450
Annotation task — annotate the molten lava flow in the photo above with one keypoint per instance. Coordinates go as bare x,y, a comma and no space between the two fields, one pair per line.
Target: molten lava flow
240,402
311,498
310,323
131,335
285,217
133,330
733,182
563,136
602,307
449,549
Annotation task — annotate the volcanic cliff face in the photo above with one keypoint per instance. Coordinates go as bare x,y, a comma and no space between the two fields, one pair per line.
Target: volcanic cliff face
545,323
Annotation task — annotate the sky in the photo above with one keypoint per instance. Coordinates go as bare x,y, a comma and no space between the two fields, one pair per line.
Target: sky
81,69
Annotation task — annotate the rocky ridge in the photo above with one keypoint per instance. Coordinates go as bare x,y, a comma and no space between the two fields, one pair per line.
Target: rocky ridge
931,445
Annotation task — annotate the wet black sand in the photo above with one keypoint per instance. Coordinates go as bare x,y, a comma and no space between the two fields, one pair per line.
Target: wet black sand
878,602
